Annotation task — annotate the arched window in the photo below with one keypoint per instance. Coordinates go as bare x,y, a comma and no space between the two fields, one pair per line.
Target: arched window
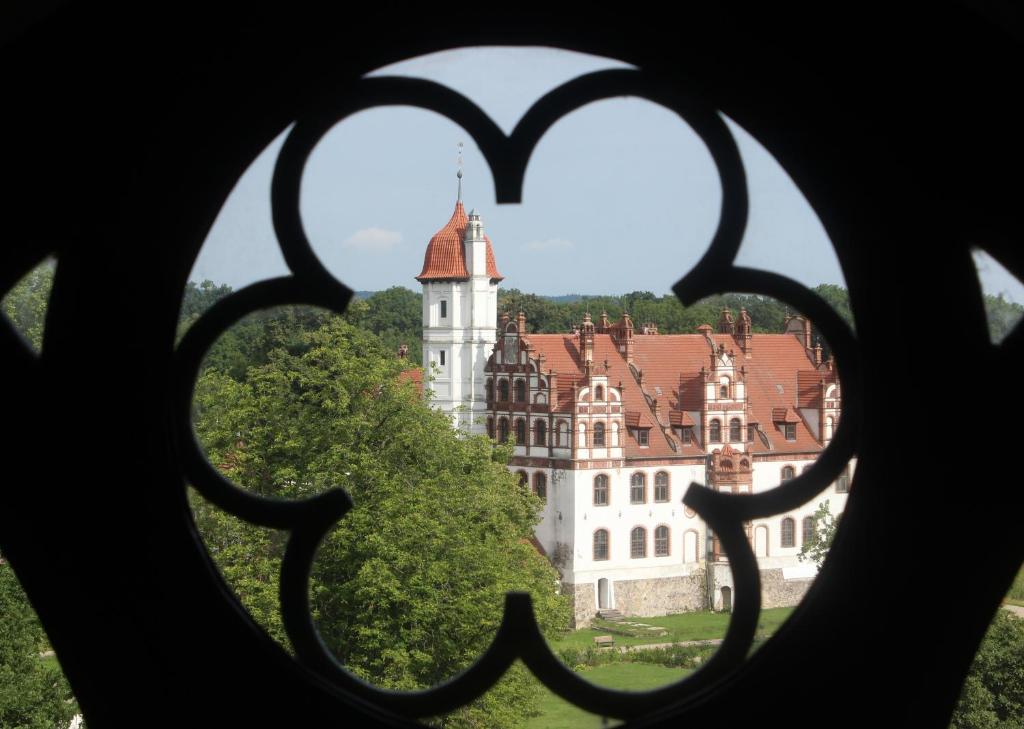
490,428
788,532
600,490
599,392
808,531
661,541
843,482
637,488
489,388
735,431
540,433
788,473
583,435
520,431
661,486
502,390
599,434
503,430
638,543
562,430
744,464
601,544
723,392
520,390
524,479
715,431
540,484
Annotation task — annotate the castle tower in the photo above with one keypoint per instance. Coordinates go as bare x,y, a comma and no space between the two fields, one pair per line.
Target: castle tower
460,306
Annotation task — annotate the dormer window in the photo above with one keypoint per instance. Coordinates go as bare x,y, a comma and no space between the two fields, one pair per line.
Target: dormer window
642,436
688,434
790,430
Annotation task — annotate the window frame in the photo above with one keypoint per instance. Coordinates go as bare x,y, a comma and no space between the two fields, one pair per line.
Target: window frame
791,541
638,480
604,488
667,486
715,431
642,543
607,545
666,540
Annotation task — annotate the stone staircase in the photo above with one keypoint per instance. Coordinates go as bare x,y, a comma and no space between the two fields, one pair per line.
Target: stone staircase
612,616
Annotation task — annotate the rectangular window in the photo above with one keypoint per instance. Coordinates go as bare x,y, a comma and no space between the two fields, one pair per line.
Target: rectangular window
790,431
641,436
444,309
442,358
688,434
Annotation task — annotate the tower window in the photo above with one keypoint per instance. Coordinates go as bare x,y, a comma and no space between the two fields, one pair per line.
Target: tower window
540,484
442,357
715,432
444,309
735,431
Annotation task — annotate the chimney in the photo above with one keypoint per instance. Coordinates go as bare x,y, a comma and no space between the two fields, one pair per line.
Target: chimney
745,333
521,321
625,339
587,343
807,333
817,354
726,325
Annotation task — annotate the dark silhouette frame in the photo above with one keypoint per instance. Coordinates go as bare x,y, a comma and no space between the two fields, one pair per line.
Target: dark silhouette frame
900,129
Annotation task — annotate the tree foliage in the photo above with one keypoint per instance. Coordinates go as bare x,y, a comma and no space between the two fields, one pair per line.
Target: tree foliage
815,548
408,589
25,304
993,693
33,693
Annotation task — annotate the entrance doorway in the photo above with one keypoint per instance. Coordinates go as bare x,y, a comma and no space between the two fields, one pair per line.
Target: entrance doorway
602,594
727,599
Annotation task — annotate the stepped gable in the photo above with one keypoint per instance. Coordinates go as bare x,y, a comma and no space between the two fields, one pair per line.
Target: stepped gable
445,257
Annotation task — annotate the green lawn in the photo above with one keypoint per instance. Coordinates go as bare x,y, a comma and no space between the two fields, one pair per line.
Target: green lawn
559,714
680,627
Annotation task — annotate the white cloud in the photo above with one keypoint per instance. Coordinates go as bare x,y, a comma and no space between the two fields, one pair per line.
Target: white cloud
373,239
549,244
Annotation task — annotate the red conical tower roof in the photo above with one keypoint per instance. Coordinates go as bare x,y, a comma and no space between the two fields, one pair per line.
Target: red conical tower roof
445,259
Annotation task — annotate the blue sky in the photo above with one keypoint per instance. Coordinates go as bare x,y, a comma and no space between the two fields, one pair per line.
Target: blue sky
619,196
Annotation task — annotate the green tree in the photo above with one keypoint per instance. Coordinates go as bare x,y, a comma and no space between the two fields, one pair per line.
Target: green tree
33,693
25,304
408,589
993,693
816,547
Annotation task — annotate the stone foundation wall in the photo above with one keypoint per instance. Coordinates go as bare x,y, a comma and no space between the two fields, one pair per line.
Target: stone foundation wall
778,592
584,603
661,596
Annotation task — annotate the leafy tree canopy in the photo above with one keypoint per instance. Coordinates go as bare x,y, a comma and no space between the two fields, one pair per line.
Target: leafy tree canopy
409,588
33,693
993,693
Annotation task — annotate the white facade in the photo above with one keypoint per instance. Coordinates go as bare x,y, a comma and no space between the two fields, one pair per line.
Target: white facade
611,428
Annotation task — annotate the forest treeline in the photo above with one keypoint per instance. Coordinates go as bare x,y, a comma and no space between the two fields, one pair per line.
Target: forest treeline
395,316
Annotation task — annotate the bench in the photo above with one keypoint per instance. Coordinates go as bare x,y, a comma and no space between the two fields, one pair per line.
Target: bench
604,641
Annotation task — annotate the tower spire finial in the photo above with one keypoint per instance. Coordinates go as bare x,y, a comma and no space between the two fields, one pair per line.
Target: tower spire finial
459,174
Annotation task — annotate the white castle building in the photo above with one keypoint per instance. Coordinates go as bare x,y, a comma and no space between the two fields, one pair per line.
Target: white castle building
611,424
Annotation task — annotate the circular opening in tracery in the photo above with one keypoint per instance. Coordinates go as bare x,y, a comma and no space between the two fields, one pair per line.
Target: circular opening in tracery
356,191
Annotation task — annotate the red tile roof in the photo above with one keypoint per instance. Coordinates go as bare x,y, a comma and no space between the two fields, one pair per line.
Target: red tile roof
415,376
671,365
445,258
